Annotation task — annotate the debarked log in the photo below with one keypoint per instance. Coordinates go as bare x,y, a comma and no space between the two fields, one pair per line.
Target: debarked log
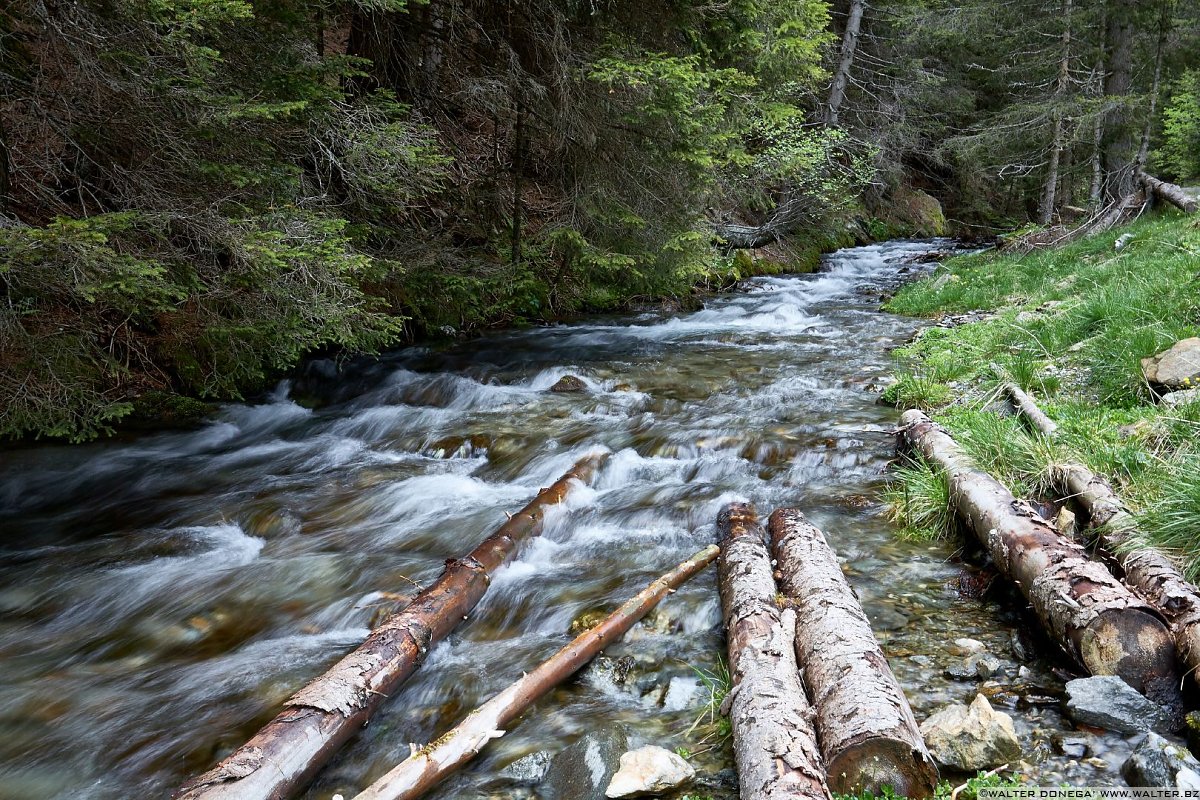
426,767
1147,570
1170,192
1099,622
282,758
774,744
869,738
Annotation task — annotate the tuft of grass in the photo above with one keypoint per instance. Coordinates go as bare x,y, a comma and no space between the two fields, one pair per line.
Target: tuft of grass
946,790
918,500
714,727
1172,523
912,391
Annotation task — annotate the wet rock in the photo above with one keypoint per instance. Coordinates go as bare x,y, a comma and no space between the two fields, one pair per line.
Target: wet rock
587,619
1177,367
885,618
1181,398
1064,523
583,770
1071,746
977,665
682,692
569,384
1106,701
1022,647
966,647
530,769
648,771
966,739
1159,762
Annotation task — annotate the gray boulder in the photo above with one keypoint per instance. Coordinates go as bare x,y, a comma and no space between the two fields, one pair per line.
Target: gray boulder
1177,367
1159,762
1106,701
583,770
1182,397
966,739
530,769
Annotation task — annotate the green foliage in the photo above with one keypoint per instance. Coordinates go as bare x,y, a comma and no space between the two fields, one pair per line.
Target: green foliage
1180,151
918,500
714,726
917,391
945,790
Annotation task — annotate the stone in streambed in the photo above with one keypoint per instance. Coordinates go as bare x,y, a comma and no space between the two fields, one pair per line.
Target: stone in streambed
1159,762
530,769
583,770
1106,701
568,384
1177,367
648,771
966,739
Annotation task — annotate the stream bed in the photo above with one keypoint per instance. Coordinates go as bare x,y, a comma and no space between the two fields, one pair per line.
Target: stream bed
160,595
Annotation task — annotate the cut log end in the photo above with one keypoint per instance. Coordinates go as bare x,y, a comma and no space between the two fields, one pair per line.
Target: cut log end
878,762
1133,645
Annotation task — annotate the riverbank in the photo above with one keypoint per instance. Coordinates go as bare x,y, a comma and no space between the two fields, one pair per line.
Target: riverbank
1071,326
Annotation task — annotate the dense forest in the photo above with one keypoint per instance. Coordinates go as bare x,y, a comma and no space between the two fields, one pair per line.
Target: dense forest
195,194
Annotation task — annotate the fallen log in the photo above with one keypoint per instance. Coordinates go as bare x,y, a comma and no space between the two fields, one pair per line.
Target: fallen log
869,737
1168,192
774,745
414,776
1100,623
1148,571
1028,408
282,758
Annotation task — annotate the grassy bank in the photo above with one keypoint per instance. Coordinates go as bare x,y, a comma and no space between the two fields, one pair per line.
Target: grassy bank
1070,326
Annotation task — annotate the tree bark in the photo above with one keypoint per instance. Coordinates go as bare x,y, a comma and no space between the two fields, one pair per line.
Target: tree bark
869,738
1099,622
774,745
1168,192
281,759
1164,27
425,768
1057,144
1118,151
841,79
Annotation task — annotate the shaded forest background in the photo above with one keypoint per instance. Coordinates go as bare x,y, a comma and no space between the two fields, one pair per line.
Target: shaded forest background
195,194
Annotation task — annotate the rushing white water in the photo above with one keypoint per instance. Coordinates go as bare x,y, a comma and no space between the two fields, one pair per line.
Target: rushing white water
160,597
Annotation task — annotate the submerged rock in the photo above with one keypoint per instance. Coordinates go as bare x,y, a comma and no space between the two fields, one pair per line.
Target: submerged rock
966,739
583,770
530,769
1177,367
1159,762
1106,701
569,383
647,771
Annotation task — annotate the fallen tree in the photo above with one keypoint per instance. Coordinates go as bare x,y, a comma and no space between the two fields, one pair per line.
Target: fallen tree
869,738
1167,192
1028,409
1099,622
282,758
774,745
1148,571
426,767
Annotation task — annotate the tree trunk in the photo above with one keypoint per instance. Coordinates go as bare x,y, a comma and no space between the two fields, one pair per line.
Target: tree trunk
869,738
1090,613
425,768
1164,26
1169,192
746,237
1029,409
841,79
1118,151
1057,144
280,760
774,745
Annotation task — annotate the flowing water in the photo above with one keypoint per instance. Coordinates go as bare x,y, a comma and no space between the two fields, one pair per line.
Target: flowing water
161,595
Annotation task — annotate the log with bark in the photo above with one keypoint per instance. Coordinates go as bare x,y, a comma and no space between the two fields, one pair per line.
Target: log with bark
869,738
1168,192
1028,408
282,758
414,776
1099,622
1147,570
774,745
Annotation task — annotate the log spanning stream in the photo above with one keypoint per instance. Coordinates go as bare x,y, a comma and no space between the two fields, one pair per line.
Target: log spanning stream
160,596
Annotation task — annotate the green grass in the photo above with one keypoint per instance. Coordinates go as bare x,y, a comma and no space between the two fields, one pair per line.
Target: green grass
945,789
918,499
1070,326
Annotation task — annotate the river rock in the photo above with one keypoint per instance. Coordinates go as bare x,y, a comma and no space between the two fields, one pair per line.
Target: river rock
530,769
583,770
1106,701
682,692
966,739
1182,397
569,383
1159,762
976,665
1177,367
649,770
